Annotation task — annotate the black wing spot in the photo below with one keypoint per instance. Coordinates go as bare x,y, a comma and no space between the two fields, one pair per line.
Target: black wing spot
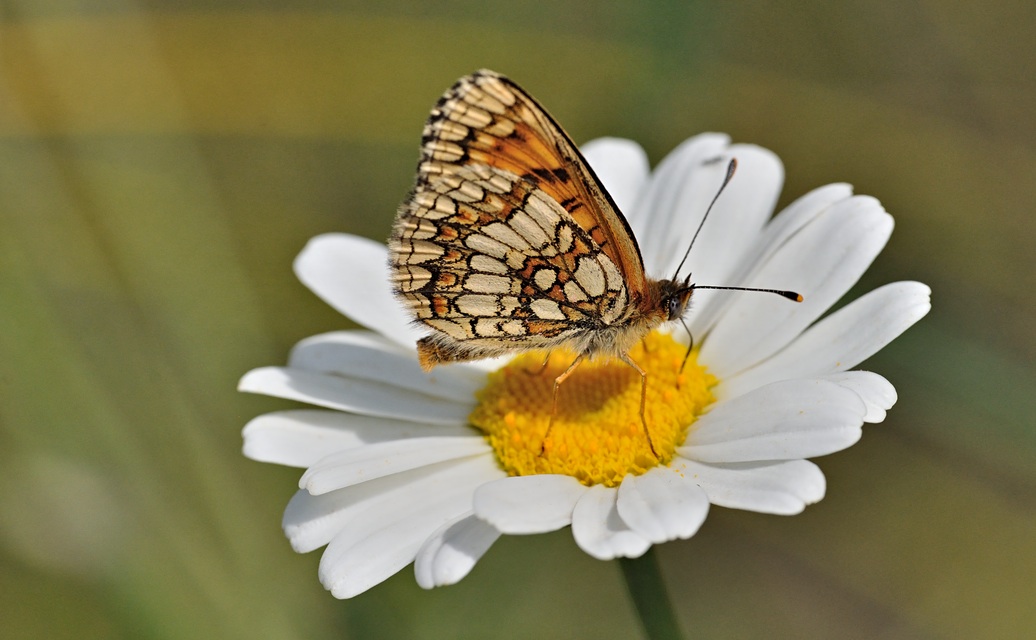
570,204
544,174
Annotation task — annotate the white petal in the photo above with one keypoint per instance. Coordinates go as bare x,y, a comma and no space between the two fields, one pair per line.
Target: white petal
781,488
876,392
784,225
369,356
382,536
528,504
794,217
350,273
662,505
781,421
844,339
300,438
622,167
451,552
353,395
362,464
663,223
821,262
598,529
311,521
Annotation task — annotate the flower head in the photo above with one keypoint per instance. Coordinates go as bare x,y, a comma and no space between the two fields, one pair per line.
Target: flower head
405,466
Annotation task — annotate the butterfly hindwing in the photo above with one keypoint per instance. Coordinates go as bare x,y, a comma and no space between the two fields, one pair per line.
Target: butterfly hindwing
486,258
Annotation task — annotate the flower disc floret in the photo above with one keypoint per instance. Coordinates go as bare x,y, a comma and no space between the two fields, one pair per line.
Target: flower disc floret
597,436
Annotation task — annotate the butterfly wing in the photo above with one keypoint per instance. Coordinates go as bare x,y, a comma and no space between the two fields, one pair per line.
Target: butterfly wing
508,241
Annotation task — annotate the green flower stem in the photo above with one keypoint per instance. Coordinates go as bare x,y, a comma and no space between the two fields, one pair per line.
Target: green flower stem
646,588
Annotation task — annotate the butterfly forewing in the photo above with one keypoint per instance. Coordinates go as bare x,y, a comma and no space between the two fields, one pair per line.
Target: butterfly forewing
487,119
507,240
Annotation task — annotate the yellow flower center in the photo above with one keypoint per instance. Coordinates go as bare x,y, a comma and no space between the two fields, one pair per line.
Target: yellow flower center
597,435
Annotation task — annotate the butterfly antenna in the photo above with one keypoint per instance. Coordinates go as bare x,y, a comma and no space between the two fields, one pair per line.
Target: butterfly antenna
790,295
731,168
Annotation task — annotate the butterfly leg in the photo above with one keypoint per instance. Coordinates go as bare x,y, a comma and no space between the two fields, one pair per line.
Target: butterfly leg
543,367
554,402
690,347
643,399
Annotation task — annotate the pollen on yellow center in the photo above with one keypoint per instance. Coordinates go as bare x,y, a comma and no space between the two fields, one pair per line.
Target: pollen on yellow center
597,436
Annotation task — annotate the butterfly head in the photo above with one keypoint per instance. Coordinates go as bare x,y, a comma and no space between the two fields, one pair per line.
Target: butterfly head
675,296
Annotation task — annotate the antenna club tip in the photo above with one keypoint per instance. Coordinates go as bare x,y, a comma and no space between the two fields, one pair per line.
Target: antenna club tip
797,297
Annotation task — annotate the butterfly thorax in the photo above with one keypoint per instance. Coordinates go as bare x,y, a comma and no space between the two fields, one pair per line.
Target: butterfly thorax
661,301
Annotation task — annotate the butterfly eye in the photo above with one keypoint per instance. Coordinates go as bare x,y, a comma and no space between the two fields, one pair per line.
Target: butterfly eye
675,308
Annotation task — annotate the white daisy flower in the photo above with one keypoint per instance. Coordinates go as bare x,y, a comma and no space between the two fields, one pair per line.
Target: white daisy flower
396,473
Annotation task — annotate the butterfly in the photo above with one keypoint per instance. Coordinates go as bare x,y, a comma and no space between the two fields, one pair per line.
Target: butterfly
509,242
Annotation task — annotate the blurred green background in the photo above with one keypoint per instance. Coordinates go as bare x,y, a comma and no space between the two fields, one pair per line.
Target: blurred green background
163,161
